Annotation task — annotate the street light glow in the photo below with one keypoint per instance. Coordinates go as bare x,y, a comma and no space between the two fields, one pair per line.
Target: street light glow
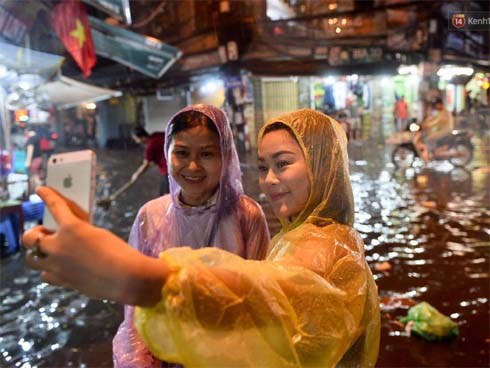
407,69
385,81
209,87
449,71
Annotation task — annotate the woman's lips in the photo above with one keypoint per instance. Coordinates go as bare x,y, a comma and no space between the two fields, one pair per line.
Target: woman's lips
193,178
277,196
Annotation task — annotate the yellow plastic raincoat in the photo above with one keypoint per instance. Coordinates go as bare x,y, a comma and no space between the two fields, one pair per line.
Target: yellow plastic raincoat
312,302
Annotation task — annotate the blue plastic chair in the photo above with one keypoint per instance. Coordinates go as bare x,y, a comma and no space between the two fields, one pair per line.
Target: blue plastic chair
9,235
33,211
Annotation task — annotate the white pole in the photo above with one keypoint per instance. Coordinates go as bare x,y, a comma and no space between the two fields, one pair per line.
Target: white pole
4,121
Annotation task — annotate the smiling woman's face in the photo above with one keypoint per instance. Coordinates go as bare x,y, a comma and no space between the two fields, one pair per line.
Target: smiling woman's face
283,174
195,163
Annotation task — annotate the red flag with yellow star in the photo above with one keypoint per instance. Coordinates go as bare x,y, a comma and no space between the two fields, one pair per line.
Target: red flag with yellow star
71,24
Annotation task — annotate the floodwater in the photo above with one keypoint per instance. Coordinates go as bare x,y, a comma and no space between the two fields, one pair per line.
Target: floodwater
427,235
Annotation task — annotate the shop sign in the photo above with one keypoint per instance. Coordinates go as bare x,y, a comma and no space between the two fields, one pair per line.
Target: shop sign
356,55
21,115
119,9
367,54
407,40
338,56
145,54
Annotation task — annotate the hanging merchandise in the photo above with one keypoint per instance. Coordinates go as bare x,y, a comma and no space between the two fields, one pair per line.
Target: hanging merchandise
5,163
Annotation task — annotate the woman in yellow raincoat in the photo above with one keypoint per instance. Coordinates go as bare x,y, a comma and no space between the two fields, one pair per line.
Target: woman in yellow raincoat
312,302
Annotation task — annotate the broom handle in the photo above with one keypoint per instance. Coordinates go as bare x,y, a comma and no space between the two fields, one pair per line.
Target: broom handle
120,190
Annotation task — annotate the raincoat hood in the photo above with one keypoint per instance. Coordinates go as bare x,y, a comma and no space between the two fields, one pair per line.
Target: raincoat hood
324,145
230,186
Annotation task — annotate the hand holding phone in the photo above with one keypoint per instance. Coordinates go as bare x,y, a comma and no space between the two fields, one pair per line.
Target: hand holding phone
73,175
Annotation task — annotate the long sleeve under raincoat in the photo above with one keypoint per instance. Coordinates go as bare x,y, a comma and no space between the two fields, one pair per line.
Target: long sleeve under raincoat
312,302
230,220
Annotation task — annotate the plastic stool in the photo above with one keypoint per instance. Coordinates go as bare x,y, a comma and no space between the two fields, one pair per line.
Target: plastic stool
9,228
33,211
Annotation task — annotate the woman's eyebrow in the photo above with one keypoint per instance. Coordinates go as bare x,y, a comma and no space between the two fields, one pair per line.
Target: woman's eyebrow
283,152
185,145
209,146
276,155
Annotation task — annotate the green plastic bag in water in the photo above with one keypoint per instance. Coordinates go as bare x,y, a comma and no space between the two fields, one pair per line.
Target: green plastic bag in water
429,323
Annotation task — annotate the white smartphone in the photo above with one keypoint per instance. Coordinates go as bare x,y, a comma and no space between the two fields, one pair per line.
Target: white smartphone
73,175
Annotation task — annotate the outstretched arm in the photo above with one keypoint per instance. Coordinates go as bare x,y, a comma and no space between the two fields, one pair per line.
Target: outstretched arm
304,306
92,260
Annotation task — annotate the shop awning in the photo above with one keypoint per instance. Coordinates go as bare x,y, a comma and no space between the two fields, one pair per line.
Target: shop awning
24,60
66,92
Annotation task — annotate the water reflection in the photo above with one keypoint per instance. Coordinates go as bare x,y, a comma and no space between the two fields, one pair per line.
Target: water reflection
36,320
433,245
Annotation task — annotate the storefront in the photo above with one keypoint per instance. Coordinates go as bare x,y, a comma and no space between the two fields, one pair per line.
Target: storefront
452,81
477,91
376,94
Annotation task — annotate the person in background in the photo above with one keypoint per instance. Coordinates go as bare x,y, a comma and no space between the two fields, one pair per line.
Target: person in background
438,125
67,127
312,302
34,160
206,207
355,112
91,124
154,154
344,121
401,113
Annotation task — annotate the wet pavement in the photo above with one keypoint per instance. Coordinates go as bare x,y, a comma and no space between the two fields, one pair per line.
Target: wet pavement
427,235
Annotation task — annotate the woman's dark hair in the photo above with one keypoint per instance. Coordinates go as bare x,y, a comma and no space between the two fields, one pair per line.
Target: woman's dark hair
436,100
139,131
190,119
279,126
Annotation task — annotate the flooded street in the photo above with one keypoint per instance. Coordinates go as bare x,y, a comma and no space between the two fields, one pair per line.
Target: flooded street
427,236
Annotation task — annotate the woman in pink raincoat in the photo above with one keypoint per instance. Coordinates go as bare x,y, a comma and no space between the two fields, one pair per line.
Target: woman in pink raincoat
206,207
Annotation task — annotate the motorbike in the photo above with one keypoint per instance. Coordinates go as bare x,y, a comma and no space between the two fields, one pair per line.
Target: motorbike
455,147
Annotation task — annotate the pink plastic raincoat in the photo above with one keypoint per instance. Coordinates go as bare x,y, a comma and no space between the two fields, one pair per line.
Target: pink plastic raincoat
230,220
